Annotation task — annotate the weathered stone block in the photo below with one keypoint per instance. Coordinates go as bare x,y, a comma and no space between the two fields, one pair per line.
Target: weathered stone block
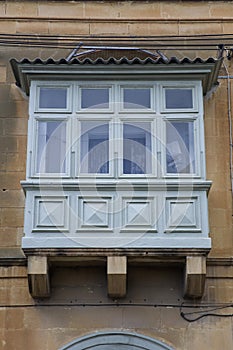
18,9
32,27
117,273
61,9
70,27
38,276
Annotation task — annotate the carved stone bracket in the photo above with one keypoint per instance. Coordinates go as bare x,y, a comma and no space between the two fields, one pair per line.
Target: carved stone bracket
117,273
38,276
195,273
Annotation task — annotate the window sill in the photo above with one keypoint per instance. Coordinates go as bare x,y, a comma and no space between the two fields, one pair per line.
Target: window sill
169,184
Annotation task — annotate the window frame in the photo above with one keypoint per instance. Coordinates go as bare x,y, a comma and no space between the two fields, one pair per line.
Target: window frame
33,167
180,85
130,85
92,85
51,84
198,149
116,115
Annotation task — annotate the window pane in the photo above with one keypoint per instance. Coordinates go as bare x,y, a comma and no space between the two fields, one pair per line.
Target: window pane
137,148
136,98
51,149
95,98
179,98
53,97
180,147
94,148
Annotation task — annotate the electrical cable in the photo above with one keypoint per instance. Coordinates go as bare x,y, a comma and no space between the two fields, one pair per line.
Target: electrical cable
204,313
195,36
204,42
66,42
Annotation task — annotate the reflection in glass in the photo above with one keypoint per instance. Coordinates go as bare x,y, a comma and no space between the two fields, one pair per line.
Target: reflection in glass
94,147
137,148
179,98
51,147
95,98
53,97
136,98
180,147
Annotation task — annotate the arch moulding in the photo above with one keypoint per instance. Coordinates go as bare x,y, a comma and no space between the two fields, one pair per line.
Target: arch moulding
116,340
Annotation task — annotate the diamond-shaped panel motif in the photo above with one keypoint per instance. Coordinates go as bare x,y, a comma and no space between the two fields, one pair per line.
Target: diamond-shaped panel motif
95,213
51,213
138,213
183,214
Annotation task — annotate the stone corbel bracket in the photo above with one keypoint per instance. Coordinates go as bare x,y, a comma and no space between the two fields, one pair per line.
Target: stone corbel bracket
117,276
195,274
38,276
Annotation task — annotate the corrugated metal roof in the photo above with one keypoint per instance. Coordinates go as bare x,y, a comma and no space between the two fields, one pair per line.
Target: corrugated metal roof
113,60
122,61
115,53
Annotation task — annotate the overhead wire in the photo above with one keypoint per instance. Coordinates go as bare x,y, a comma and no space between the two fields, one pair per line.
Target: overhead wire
205,309
172,42
204,313
68,42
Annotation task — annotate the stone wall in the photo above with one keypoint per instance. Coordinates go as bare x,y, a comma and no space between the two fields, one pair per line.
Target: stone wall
79,304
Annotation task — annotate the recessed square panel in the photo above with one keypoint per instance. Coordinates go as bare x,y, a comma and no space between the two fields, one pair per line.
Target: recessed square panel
94,212
182,214
51,213
138,213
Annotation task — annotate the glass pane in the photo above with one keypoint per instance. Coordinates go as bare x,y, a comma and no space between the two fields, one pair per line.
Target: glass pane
137,148
94,148
180,147
95,98
53,97
51,147
136,98
179,98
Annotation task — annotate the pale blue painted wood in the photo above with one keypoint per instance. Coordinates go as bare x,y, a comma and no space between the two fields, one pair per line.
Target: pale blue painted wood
116,340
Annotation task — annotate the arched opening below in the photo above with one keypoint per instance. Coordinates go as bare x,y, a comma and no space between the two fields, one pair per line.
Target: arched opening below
116,340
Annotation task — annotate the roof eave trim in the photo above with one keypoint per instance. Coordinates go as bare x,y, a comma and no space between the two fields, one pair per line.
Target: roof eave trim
207,72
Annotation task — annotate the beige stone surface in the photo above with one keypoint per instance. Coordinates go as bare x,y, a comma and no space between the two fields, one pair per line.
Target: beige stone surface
79,304
69,27
77,316
60,9
7,26
186,28
31,27
185,9
221,9
104,28
21,9
153,28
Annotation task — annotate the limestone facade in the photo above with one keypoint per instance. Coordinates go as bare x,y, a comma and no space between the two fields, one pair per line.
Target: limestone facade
79,304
